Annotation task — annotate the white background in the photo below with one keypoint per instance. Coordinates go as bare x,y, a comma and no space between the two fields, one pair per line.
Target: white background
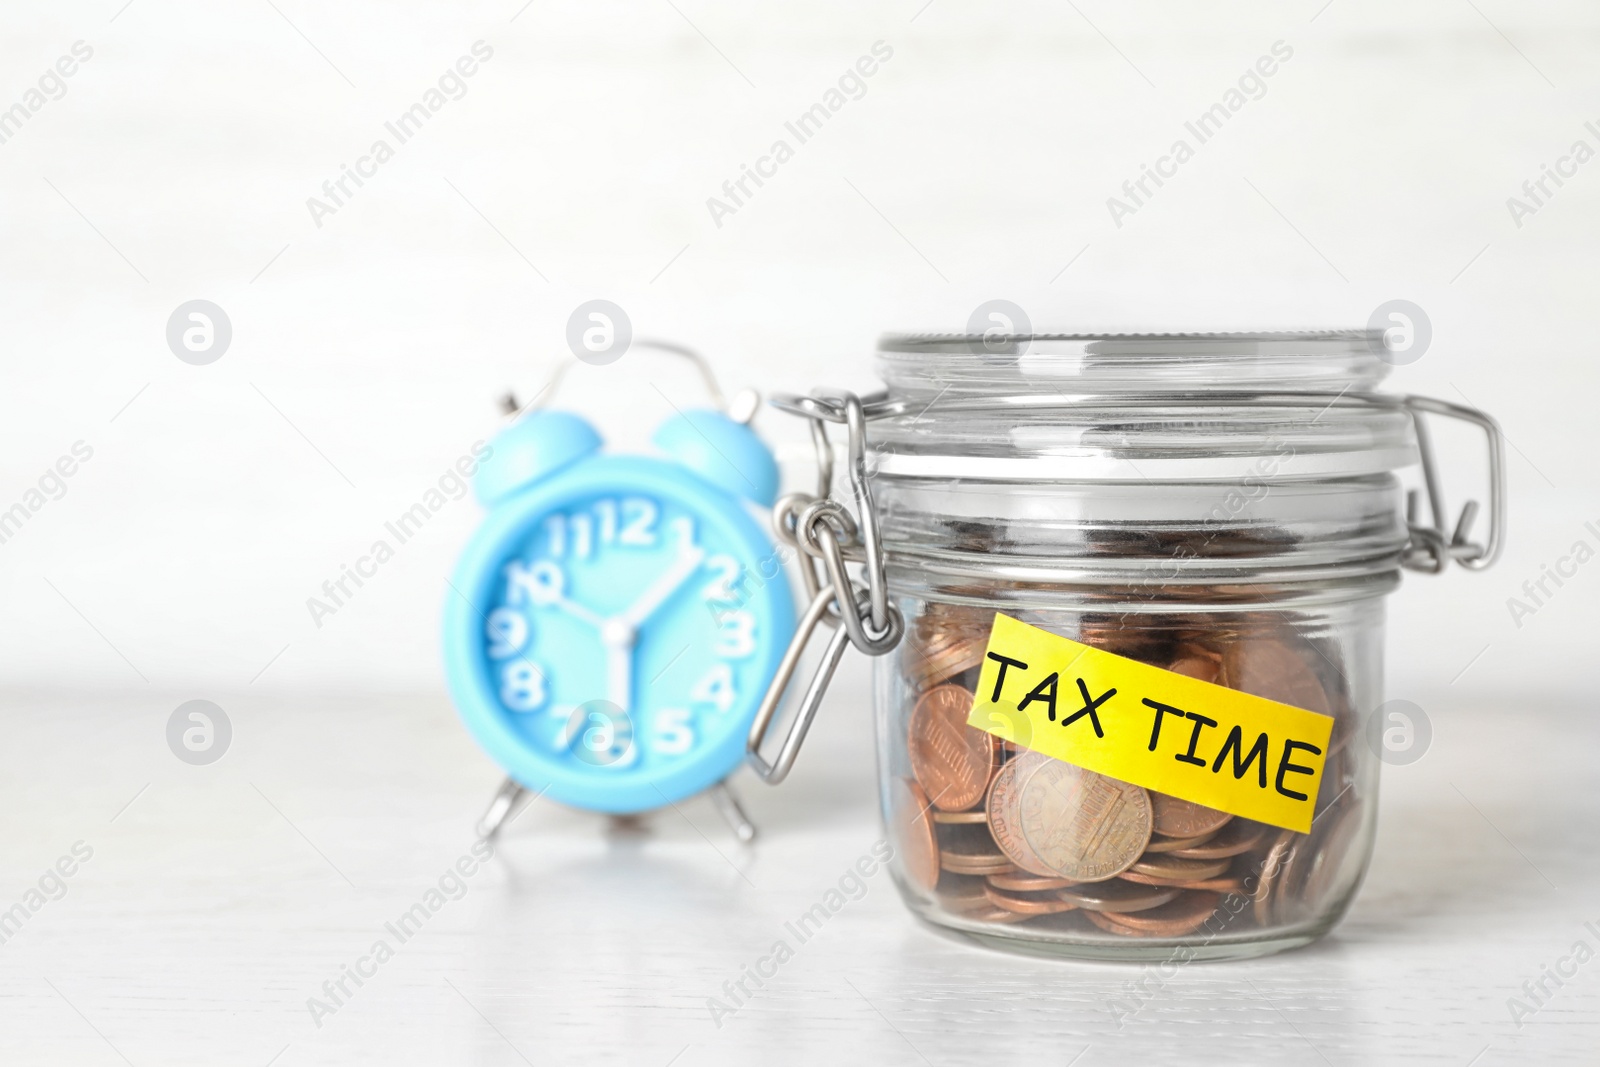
366,357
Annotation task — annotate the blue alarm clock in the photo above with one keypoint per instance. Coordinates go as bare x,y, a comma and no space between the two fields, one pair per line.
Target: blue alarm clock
613,624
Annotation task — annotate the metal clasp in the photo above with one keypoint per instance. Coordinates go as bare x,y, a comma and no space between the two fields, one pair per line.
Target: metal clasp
828,537
1432,547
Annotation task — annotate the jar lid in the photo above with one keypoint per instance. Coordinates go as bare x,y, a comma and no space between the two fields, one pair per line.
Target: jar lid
1107,454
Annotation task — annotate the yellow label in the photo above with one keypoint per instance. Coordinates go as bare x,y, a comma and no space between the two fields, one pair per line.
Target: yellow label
1194,740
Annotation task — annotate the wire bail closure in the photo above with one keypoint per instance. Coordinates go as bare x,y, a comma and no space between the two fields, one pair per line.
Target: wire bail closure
858,611
1432,547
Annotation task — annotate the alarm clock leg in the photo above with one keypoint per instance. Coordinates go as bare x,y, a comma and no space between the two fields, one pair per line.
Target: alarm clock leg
733,813
507,799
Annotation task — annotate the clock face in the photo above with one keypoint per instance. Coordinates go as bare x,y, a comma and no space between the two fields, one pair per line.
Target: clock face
626,621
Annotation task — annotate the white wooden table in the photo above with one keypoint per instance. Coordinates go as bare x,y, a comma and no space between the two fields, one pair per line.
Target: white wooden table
218,899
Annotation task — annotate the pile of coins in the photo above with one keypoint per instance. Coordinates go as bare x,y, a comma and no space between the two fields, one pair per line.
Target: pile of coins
995,833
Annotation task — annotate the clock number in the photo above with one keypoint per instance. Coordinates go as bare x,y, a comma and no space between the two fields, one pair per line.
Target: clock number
542,584
631,522
639,517
736,637
674,734
507,631
604,740
607,511
716,688
683,529
556,532
522,686
582,536
729,574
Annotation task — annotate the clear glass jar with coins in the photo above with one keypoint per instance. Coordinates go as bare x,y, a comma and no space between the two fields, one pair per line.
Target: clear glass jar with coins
1187,532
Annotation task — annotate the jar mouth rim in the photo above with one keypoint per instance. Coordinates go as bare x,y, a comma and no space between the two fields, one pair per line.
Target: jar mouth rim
1315,342
1135,364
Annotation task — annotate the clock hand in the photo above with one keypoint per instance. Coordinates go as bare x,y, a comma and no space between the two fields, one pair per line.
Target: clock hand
577,611
661,590
544,586
618,639
619,675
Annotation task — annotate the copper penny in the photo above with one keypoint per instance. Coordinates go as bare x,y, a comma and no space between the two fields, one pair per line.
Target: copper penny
1028,905
1273,668
1116,634
1082,825
1205,667
939,663
993,914
1027,883
965,865
1170,870
1174,844
1004,808
1311,868
1107,921
912,832
963,895
1118,896
964,850
1270,873
959,818
952,761
1184,818
1228,883
944,641
1238,837
1182,916
1331,851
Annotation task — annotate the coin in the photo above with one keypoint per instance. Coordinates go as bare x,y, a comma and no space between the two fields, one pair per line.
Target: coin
944,641
951,761
944,617
947,660
1239,836
1312,869
1271,874
1144,642
1082,825
1171,870
1118,896
1183,915
1184,818
1204,644
1004,811
963,865
993,914
968,850
960,894
1273,668
1028,905
912,830
1228,883
958,818
1205,667
1027,883
1107,921
1331,852
1174,844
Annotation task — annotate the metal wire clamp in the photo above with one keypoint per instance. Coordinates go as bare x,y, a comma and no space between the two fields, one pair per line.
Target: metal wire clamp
1433,546
858,611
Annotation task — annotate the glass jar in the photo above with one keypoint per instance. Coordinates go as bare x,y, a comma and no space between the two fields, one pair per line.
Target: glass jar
1225,507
